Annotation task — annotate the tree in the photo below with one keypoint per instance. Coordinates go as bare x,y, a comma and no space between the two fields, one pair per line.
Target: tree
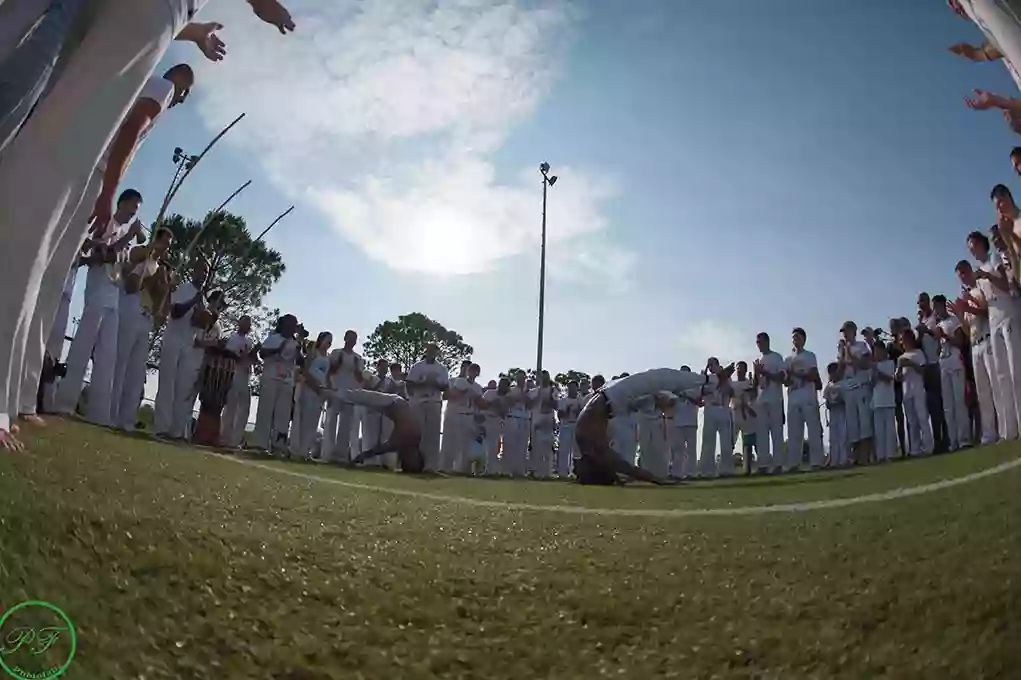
577,376
405,339
511,374
243,268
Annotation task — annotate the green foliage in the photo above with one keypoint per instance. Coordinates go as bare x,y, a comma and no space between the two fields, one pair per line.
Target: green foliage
563,378
405,340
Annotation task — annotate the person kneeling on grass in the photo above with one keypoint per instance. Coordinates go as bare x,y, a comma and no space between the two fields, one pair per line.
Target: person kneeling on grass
406,435
597,462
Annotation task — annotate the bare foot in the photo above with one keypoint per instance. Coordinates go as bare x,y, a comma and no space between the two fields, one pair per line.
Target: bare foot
15,428
32,419
9,442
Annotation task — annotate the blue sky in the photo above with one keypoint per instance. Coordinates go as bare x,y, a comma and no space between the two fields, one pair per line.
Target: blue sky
725,167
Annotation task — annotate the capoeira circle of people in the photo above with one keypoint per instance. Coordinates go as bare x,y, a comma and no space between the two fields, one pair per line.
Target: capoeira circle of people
77,99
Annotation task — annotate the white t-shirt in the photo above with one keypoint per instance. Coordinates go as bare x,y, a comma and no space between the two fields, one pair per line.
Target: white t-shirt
351,365
280,366
568,408
241,345
319,368
491,403
802,389
1001,305
930,346
543,399
686,408
858,377
882,394
714,394
771,391
182,327
434,371
468,403
833,393
516,398
914,386
949,355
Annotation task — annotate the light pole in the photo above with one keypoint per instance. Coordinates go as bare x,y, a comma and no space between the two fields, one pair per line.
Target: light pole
183,161
547,181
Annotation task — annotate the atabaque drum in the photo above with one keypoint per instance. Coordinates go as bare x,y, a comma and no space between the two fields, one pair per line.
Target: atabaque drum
214,384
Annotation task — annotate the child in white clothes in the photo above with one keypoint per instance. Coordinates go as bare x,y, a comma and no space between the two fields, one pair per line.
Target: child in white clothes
884,403
833,394
952,377
909,369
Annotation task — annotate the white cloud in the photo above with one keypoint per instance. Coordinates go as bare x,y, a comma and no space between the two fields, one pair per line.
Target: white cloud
704,338
384,114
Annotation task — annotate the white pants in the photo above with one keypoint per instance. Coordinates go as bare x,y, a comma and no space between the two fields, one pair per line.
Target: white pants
515,445
840,447
858,415
58,329
1000,20
95,340
337,428
565,448
457,428
377,430
429,414
885,421
769,434
174,388
803,416
982,361
1006,346
716,424
955,410
310,412
541,456
494,430
132,356
653,445
46,168
273,416
919,429
623,437
236,410
683,440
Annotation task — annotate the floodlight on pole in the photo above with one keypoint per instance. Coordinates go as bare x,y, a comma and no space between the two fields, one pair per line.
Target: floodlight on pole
547,181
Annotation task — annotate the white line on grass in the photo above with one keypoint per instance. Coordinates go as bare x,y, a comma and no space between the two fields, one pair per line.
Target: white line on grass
893,494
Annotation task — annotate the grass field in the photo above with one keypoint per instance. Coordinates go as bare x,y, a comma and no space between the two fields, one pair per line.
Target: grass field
175,563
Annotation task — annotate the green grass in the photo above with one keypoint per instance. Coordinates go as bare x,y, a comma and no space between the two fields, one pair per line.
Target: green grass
179,564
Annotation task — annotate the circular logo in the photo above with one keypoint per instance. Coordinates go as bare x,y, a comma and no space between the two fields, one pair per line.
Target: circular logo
37,640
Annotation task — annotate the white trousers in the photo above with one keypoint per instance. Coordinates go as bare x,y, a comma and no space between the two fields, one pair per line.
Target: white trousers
1006,346
919,429
377,429
684,453
191,376
955,409
236,410
769,434
840,446
305,430
716,424
58,330
340,419
173,388
982,361
565,448
515,445
46,168
1000,19
132,356
494,431
802,416
95,340
885,422
273,416
429,414
623,436
652,444
541,456
858,415
457,428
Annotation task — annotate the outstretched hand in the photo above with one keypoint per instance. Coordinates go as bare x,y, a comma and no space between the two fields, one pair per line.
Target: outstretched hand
272,12
206,39
1013,120
981,101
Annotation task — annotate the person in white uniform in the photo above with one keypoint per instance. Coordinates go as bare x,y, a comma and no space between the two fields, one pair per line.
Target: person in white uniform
769,379
516,427
494,405
803,385
624,430
375,426
279,353
910,369
742,411
456,420
971,307
53,155
144,296
425,382
597,463
884,403
347,372
716,422
833,393
96,338
684,433
238,406
178,339
543,399
952,376
652,435
208,335
855,361
568,407
1004,327
315,370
